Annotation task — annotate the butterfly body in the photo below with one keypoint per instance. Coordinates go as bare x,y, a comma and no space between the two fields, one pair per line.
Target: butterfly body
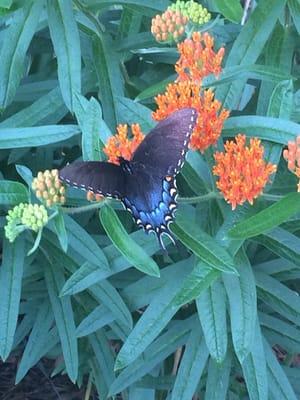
146,184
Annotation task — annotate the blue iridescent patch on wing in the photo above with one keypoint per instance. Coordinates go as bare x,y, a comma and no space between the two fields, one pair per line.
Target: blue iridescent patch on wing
158,219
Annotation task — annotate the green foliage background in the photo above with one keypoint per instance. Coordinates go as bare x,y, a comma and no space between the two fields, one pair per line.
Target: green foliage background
71,70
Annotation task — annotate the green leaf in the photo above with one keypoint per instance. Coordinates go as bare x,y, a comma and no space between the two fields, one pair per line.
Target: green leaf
64,318
61,232
284,333
65,38
35,136
294,8
89,274
231,9
159,5
202,245
97,319
153,320
191,366
211,306
105,293
133,113
14,47
12,193
155,89
104,357
106,64
123,242
6,3
10,287
282,243
278,296
267,128
279,384
25,173
196,282
255,369
229,74
91,127
267,219
241,292
166,344
84,244
248,46
38,340
218,379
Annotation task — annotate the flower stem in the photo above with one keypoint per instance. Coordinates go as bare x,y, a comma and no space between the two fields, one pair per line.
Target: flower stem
77,210
199,199
272,197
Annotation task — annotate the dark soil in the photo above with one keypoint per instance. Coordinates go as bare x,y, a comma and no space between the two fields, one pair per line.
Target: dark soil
37,384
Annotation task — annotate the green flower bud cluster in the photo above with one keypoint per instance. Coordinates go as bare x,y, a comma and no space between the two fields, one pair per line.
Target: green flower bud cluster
25,216
195,12
49,188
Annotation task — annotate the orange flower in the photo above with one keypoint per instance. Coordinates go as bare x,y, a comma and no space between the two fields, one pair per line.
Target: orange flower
197,58
210,119
121,146
242,171
292,156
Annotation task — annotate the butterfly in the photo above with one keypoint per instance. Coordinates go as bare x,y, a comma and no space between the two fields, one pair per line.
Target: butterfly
146,185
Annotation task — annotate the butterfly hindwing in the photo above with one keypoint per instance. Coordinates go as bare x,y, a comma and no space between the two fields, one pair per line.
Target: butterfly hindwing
165,146
95,176
151,200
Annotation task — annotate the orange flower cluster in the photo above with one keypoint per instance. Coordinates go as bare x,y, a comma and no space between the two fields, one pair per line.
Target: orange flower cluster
197,58
292,156
242,171
169,26
121,146
210,118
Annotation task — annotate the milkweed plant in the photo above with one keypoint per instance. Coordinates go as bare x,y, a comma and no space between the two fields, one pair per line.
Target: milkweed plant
216,316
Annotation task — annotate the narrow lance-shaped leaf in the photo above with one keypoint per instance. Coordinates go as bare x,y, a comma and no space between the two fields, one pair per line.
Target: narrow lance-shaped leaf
37,340
275,130
64,318
218,378
109,77
255,369
120,238
36,136
269,218
11,273
12,193
153,320
211,307
248,46
231,9
279,384
191,366
65,38
241,292
83,243
202,245
14,46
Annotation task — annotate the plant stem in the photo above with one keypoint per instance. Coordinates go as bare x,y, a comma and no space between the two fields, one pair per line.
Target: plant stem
77,210
199,199
272,197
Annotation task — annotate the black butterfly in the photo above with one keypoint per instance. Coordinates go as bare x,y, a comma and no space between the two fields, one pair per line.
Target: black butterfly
146,184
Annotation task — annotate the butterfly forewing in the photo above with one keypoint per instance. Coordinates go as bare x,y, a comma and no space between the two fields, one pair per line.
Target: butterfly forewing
165,146
95,176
